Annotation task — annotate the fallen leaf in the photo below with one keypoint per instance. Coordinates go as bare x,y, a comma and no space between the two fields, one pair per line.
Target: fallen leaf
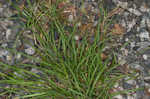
147,91
103,56
118,29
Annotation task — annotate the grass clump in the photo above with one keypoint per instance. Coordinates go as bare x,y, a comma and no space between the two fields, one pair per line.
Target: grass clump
69,68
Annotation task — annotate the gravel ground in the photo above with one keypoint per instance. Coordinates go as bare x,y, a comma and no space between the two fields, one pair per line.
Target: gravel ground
133,22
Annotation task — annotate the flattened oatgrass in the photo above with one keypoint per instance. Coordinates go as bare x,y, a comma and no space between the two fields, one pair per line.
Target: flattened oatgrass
68,68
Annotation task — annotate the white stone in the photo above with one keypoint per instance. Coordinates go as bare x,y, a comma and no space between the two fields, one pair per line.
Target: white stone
7,12
148,89
70,19
76,37
147,78
132,44
143,8
145,57
30,51
123,4
130,97
126,39
123,23
131,82
1,10
147,84
8,57
118,97
138,29
18,56
136,66
95,23
4,45
134,11
127,78
79,24
143,22
17,74
8,33
144,35
130,25
126,14
3,53
126,52
34,70
116,85
121,60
